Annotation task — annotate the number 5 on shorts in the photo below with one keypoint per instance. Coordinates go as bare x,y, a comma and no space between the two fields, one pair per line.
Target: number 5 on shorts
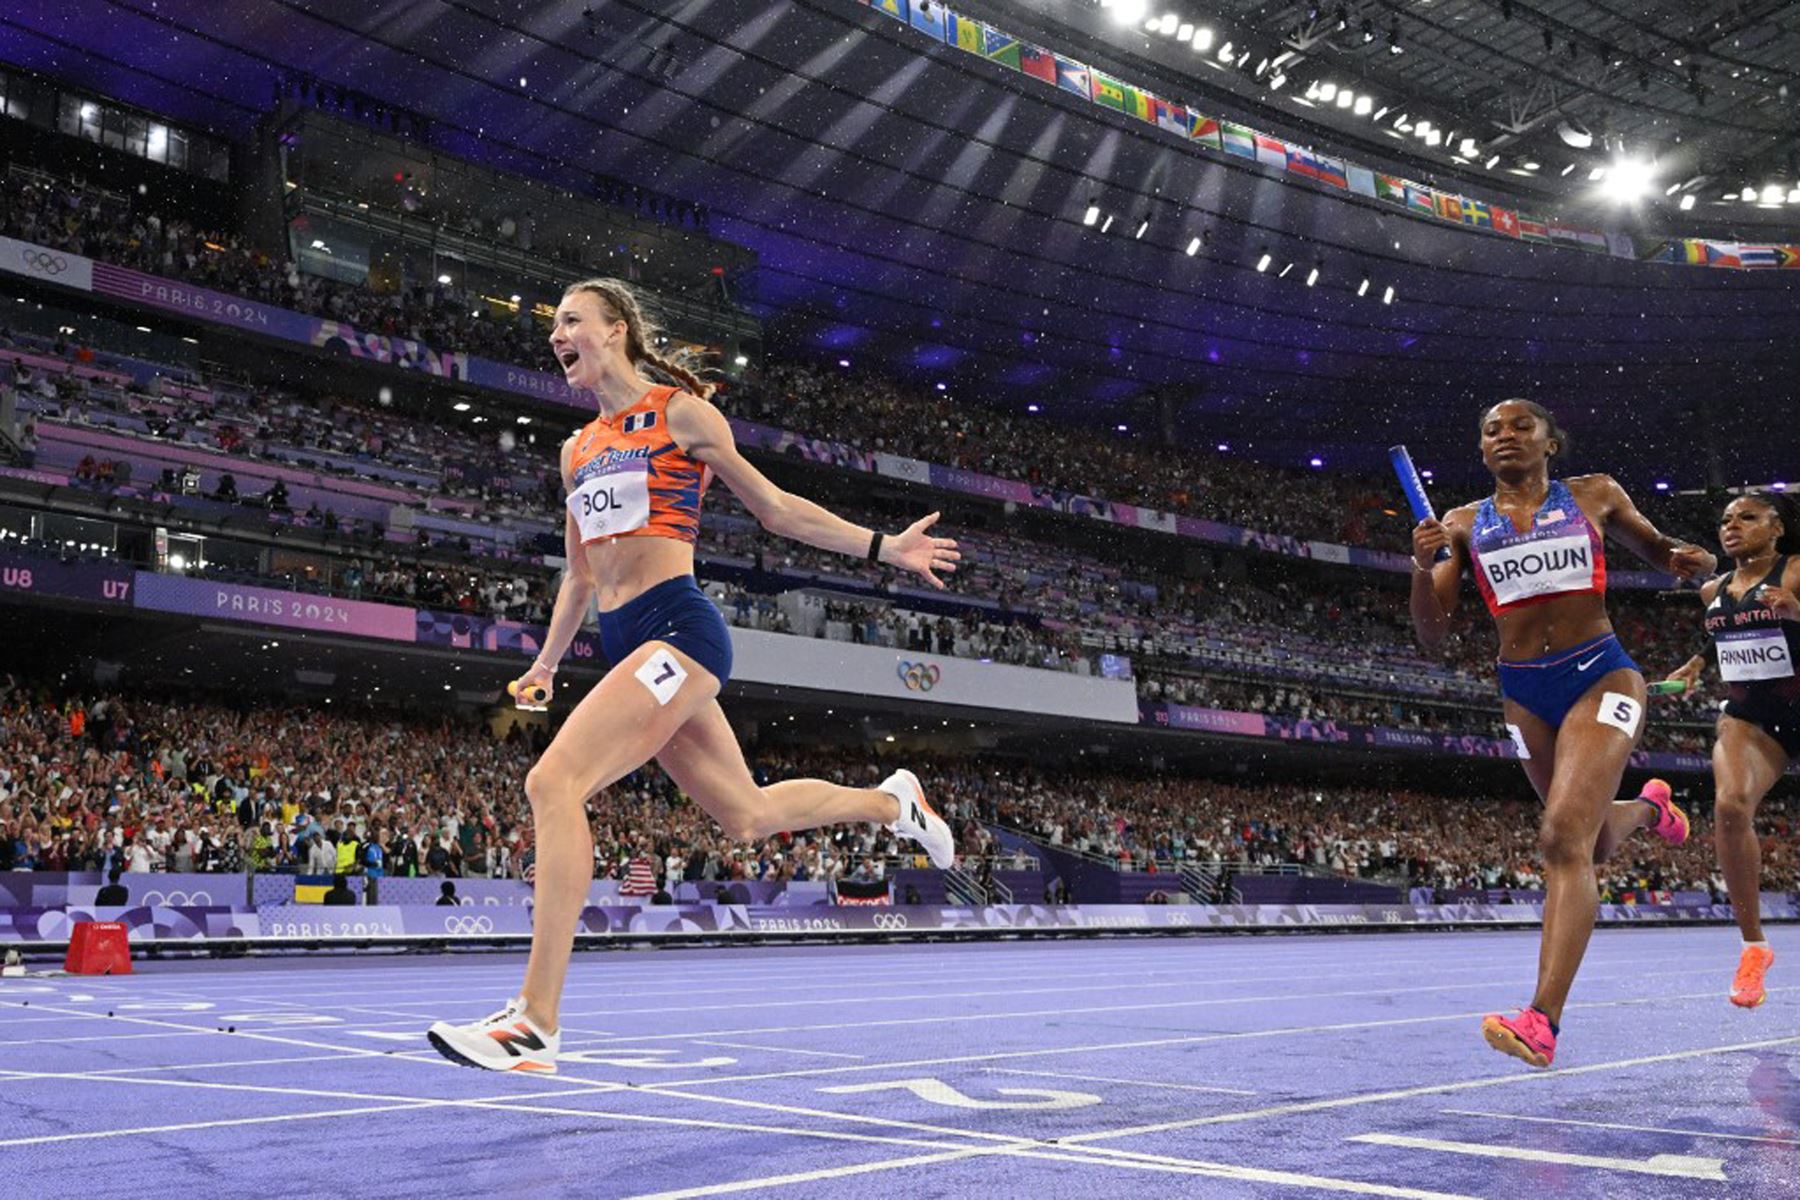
1621,712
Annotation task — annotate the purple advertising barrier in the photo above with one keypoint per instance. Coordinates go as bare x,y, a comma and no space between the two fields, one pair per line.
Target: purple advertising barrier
1209,720
270,606
29,575
1464,745
507,378
52,925
503,637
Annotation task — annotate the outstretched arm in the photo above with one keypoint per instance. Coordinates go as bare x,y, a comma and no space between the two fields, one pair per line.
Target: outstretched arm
1633,530
703,432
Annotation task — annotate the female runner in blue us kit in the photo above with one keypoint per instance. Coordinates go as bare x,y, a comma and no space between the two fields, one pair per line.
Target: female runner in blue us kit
635,476
1574,700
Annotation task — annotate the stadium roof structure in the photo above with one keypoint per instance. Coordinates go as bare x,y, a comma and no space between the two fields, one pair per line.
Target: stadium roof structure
926,209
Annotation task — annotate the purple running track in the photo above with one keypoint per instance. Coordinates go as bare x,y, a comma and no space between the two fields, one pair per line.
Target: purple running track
1262,1066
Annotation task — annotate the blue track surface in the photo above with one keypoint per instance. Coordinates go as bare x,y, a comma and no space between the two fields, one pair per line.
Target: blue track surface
1288,1066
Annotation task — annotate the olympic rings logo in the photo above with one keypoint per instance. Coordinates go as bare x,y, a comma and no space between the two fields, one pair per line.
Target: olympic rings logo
44,262
177,899
890,920
919,677
468,925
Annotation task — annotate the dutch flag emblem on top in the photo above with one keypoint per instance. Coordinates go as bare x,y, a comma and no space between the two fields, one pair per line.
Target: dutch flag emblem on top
638,421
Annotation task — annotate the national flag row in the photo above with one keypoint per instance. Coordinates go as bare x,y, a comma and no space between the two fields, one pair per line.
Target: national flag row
1696,252
979,38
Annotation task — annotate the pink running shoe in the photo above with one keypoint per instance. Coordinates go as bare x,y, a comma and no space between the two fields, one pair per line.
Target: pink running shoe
1528,1036
1671,823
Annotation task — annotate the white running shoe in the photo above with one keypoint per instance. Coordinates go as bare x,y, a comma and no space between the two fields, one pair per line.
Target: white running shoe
917,820
506,1041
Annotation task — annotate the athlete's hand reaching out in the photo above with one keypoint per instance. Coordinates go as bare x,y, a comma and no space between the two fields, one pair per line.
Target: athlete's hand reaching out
1689,673
919,552
1689,562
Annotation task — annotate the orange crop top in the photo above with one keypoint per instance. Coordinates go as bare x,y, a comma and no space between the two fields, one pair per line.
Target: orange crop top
628,478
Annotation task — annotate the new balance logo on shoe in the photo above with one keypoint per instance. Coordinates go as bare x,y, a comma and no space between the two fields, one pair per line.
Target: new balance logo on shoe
918,818
518,1035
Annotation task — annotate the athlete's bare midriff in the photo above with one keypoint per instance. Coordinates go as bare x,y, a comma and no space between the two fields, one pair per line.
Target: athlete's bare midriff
624,568
1541,629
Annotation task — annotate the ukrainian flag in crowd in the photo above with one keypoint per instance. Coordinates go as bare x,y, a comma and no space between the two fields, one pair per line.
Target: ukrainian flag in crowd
928,17
965,33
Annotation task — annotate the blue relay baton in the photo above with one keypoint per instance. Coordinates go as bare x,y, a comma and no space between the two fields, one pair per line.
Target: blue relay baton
1414,487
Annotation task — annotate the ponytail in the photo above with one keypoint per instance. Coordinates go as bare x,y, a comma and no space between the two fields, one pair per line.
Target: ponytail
681,366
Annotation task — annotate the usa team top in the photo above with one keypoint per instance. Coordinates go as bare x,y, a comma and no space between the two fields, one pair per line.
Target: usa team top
1562,554
628,478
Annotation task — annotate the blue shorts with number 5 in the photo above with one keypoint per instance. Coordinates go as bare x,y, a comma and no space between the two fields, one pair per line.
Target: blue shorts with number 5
1549,687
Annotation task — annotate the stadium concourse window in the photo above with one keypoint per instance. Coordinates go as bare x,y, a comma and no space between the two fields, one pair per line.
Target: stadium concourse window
134,133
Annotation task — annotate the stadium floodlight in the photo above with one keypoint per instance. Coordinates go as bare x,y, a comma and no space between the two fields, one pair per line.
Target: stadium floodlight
1773,193
1093,215
1364,105
1328,92
1203,39
1387,297
1630,179
1687,202
1193,247
1346,98
1262,264
1363,288
1129,12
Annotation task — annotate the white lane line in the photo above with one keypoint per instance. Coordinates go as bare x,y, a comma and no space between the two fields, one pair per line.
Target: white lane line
1288,997
1309,1106
1694,1133
780,1049
1159,976
1175,1166
189,1126
1150,1043
1675,1166
188,1031
1151,1083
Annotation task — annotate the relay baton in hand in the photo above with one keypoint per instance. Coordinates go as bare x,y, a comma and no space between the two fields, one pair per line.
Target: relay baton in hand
532,698
1414,487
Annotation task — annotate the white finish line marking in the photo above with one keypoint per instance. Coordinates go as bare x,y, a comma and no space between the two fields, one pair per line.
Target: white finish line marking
1694,1133
1678,1166
1149,1083
936,1091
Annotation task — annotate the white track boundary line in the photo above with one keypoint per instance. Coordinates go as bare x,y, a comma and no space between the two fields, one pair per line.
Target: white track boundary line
1182,1087
1693,1133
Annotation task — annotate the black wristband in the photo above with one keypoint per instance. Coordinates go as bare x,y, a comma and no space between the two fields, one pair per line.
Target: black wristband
875,548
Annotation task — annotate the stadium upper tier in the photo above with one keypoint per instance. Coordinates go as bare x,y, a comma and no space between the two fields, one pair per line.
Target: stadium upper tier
377,485
875,414
176,783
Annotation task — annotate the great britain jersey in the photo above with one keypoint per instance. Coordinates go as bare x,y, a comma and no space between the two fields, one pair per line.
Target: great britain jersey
628,477
1756,648
1562,554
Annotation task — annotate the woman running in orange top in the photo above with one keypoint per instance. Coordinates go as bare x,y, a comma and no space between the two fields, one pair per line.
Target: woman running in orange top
634,477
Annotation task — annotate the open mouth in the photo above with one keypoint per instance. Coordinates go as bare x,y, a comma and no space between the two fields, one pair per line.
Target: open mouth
568,358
